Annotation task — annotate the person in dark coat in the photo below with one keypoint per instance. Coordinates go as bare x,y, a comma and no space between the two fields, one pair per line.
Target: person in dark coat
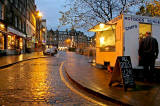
148,52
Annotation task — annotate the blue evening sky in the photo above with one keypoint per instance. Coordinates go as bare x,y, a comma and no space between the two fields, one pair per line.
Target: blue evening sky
50,10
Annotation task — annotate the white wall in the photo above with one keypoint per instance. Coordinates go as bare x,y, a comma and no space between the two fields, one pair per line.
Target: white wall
156,34
131,41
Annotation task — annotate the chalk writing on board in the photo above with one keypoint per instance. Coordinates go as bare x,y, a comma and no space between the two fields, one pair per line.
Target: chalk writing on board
123,72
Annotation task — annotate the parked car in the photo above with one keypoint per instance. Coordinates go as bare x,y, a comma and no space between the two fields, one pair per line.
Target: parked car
49,51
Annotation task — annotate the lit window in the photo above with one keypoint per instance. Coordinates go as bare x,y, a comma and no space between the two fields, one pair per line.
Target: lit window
143,28
11,42
1,41
21,43
107,40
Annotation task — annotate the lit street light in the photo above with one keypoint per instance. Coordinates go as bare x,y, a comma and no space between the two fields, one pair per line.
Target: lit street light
39,14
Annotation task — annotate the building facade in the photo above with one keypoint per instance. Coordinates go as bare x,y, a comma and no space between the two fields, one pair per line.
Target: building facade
30,25
67,39
18,26
15,18
2,29
43,32
52,38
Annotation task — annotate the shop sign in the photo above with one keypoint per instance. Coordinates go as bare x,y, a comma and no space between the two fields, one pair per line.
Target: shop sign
142,19
9,29
131,27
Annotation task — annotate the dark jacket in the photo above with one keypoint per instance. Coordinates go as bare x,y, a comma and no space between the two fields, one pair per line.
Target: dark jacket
148,47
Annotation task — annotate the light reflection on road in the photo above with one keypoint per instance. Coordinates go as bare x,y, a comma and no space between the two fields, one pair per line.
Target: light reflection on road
36,82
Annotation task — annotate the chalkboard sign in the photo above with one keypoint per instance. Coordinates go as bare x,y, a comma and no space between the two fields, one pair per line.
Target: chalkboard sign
123,72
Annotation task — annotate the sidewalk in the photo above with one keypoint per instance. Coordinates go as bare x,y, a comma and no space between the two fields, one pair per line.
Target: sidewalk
6,61
97,80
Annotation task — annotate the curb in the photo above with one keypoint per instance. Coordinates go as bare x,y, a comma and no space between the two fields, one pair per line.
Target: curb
8,65
96,93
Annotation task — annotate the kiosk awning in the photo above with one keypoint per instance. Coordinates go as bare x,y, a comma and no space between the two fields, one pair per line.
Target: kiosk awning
102,27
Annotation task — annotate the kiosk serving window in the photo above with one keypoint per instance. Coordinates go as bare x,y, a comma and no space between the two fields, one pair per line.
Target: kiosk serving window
143,28
107,39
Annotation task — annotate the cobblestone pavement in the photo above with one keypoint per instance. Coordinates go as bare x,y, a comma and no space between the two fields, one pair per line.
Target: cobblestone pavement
37,82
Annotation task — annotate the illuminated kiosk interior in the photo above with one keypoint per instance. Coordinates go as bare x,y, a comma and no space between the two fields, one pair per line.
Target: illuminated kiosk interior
120,37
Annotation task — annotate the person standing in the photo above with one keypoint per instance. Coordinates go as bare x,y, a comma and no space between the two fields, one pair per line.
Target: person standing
148,52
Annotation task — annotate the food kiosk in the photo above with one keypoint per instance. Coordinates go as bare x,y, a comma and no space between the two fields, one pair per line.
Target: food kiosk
120,37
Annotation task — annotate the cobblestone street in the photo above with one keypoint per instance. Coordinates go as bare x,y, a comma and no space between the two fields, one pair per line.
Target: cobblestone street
37,82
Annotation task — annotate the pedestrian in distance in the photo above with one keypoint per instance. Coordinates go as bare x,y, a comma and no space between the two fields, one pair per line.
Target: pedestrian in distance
148,52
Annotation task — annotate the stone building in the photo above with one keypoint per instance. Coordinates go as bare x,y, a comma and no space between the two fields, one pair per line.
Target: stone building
67,39
52,38
15,18
30,25
3,31
17,26
43,32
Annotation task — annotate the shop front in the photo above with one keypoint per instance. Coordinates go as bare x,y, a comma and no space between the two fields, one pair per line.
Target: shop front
15,42
2,52
2,39
120,37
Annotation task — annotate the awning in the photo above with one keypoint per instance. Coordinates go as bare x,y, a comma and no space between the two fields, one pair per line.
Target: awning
102,27
11,30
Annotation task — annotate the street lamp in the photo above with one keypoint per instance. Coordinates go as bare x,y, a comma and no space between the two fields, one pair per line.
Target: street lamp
39,14
43,29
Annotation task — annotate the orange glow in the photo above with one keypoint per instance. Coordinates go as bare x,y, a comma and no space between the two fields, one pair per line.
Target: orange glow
101,40
21,43
101,25
39,14
68,41
2,26
43,29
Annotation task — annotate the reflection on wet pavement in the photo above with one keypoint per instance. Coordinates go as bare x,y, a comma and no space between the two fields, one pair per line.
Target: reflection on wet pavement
36,82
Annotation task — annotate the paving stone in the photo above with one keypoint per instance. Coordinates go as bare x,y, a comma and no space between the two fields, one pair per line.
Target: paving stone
97,80
36,83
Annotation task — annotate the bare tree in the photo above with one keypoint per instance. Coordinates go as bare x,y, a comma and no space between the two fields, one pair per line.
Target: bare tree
87,13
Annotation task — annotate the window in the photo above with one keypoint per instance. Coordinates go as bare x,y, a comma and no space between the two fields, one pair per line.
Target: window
16,21
11,1
1,41
21,43
20,7
143,28
16,3
20,24
1,11
107,40
11,42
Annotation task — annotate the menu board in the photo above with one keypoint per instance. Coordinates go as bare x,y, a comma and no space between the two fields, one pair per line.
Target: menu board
123,72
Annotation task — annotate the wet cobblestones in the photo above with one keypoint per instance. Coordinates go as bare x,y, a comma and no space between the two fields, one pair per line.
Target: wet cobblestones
36,82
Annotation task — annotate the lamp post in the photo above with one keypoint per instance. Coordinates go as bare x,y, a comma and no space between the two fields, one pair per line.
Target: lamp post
38,37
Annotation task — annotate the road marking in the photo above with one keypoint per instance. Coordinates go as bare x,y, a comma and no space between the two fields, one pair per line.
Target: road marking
74,90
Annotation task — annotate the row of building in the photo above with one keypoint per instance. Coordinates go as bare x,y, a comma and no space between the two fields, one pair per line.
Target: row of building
68,39
22,29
